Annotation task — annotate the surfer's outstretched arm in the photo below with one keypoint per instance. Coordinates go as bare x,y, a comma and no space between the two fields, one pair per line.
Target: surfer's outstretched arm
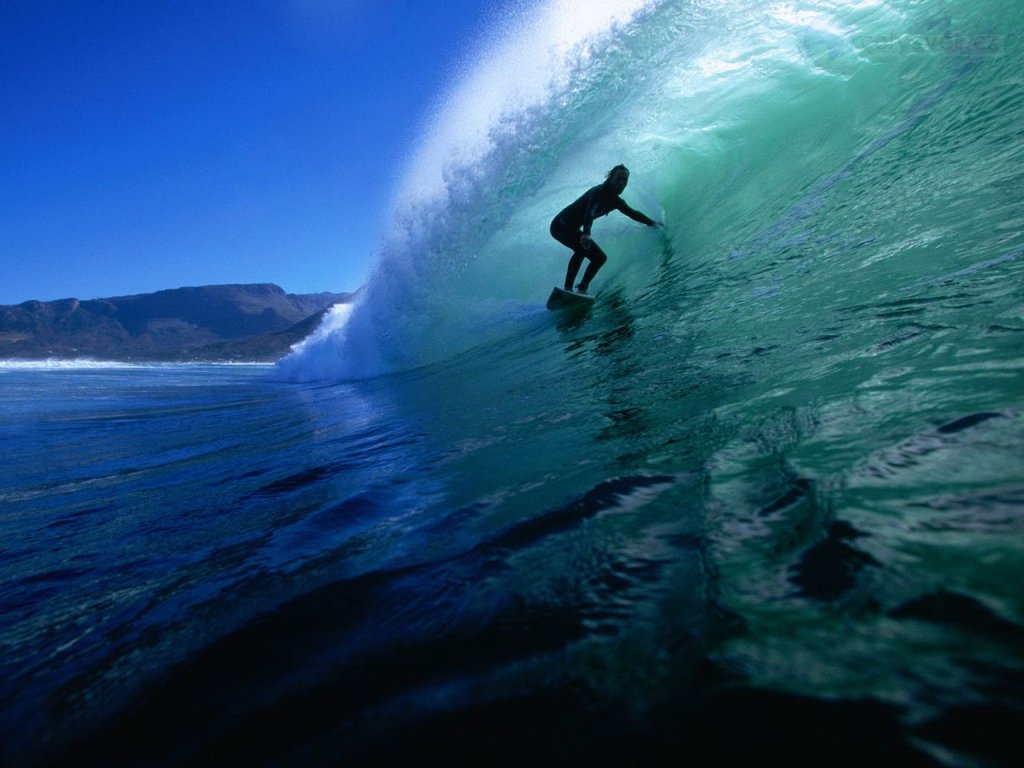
636,215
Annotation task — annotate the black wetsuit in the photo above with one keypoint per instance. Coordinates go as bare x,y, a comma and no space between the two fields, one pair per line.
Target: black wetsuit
593,204
577,218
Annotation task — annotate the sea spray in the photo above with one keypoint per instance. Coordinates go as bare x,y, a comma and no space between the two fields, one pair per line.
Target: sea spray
487,151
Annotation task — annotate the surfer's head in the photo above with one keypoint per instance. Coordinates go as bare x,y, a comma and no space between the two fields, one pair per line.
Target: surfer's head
618,178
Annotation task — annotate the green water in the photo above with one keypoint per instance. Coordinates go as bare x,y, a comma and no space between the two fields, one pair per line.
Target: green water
812,376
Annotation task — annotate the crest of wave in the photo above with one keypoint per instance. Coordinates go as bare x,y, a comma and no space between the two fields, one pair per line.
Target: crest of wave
478,153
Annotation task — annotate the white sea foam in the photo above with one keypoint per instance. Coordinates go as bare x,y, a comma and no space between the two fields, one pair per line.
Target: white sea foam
316,356
68,365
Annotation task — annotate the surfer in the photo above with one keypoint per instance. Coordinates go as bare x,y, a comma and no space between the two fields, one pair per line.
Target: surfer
571,227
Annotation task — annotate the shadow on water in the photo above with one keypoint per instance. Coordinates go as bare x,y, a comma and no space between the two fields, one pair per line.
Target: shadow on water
433,661
279,691
572,318
442,656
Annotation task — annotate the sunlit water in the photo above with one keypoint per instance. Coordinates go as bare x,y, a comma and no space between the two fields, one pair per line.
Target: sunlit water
766,497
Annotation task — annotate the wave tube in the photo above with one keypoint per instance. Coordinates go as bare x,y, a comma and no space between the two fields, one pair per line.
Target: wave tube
464,199
738,119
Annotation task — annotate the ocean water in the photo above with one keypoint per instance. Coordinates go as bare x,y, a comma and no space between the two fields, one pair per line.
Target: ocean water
765,499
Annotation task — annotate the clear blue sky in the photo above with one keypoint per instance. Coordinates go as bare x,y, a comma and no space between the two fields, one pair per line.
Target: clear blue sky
150,144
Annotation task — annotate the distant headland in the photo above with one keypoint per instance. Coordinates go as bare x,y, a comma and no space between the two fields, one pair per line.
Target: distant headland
214,323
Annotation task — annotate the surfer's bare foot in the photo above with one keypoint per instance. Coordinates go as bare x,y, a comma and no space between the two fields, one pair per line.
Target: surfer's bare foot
584,289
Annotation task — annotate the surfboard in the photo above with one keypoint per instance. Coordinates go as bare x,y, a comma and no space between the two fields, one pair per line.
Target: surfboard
563,299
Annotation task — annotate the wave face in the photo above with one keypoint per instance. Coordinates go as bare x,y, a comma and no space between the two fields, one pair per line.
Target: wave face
796,151
797,408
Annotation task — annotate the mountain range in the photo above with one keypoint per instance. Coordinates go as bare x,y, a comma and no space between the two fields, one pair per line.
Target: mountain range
214,323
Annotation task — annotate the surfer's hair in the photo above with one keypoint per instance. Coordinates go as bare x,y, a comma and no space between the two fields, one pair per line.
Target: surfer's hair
616,169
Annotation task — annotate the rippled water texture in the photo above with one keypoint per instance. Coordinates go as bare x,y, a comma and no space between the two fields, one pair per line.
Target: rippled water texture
765,499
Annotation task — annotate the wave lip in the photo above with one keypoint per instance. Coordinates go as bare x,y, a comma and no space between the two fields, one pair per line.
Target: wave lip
454,241
524,62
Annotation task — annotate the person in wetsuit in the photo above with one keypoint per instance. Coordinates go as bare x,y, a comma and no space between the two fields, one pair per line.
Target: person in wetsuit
571,227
